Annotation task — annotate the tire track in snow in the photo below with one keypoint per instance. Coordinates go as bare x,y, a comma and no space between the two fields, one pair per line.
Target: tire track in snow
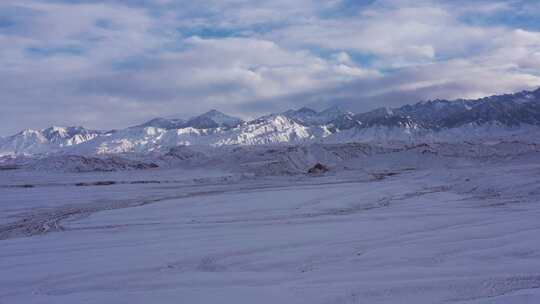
49,221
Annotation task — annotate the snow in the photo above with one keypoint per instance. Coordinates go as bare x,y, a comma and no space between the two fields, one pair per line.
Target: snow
431,223
48,140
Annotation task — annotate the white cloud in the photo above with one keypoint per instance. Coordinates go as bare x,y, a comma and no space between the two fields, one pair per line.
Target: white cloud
398,35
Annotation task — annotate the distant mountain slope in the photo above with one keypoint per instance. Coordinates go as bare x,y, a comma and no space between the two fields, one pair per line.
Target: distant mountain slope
502,116
209,120
508,109
213,119
163,123
309,117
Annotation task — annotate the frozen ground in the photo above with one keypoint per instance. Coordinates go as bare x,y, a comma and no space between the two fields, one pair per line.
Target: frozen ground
408,229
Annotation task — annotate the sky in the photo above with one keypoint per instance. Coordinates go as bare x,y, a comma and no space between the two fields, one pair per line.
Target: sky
111,64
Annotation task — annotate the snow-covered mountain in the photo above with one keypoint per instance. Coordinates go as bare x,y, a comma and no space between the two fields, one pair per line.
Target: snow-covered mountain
506,116
208,120
47,140
309,117
276,129
508,110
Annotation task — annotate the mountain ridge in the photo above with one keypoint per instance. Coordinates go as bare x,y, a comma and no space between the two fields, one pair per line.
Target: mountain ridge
445,120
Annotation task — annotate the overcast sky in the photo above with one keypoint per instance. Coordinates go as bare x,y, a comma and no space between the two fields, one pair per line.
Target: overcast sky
110,64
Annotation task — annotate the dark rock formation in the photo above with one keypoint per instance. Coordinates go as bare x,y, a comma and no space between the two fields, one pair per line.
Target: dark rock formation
318,169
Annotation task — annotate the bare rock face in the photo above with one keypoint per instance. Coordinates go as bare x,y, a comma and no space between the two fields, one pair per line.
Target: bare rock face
318,169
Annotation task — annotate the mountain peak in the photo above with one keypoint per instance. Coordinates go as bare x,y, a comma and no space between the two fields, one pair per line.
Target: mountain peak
307,116
306,110
27,132
55,128
213,112
213,119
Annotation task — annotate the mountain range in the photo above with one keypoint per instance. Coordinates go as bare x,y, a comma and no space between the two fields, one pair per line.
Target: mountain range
501,116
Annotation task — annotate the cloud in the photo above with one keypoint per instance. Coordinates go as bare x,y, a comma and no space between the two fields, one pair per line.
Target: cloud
115,63
398,35
224,73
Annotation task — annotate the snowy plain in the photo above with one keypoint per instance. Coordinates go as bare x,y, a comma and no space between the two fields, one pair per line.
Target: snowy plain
412,226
